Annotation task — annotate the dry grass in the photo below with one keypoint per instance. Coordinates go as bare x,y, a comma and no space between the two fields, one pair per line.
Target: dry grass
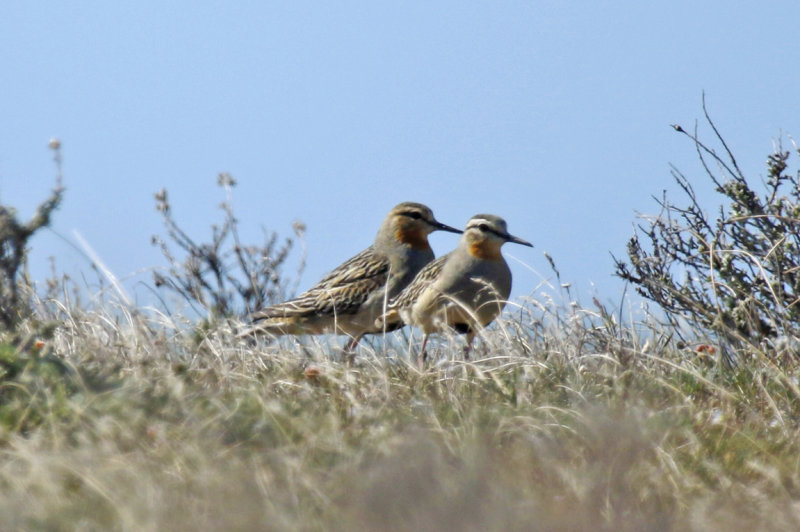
564,420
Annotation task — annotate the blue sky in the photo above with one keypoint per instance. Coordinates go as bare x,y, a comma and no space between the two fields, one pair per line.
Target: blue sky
554,115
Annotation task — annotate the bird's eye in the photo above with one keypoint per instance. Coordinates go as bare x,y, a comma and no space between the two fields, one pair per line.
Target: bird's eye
484,228
413,215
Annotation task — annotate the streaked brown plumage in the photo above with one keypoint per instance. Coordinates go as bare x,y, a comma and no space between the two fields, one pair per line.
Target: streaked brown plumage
350,298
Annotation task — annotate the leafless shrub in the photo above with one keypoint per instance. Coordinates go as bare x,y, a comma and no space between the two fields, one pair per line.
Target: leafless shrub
222,278
736,274
14,237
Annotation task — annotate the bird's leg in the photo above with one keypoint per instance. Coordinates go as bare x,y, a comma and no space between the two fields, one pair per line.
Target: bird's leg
350,349
423,354
468,347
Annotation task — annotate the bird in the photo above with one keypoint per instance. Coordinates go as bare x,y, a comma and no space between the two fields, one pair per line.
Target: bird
464,290
351,297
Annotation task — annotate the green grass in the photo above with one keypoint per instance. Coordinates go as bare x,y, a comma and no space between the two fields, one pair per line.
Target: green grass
562,420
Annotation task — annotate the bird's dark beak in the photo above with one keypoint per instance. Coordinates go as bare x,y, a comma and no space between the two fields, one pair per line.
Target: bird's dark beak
442,227
517,240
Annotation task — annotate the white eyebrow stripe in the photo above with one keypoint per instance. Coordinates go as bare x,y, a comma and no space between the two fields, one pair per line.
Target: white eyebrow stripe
478,221
489,227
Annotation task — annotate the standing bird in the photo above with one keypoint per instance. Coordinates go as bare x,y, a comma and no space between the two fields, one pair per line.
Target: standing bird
350,298
464,290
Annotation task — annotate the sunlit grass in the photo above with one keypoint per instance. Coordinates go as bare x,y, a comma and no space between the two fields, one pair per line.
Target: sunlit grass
562,419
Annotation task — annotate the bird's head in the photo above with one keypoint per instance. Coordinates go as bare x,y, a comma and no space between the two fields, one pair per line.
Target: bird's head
485,235
411,223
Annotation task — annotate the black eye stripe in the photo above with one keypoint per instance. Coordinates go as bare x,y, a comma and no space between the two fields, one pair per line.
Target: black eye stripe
412,214
486,229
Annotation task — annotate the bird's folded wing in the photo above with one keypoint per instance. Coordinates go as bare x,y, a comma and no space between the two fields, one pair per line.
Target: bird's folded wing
342,291
423,279
365,265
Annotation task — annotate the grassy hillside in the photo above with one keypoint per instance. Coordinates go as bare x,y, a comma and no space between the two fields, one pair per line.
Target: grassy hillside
564,419
114,417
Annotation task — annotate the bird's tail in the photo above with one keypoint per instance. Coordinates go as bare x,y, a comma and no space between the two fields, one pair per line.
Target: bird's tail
276,320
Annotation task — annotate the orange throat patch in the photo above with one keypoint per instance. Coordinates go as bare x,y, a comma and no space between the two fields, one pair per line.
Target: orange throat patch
416,238
481,250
